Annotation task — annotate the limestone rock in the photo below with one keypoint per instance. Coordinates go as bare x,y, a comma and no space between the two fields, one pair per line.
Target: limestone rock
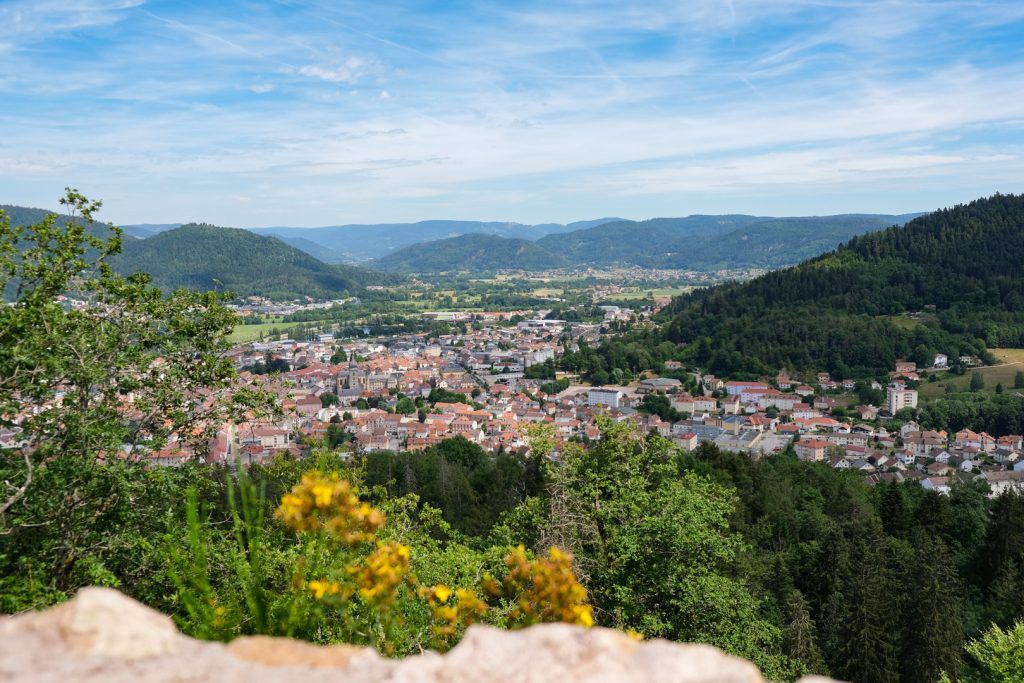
102,635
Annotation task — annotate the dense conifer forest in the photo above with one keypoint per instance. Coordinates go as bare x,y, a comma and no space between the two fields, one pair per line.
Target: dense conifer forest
961,267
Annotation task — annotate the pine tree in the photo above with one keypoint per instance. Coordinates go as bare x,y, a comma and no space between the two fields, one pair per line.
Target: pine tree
800,635
869,650
933,638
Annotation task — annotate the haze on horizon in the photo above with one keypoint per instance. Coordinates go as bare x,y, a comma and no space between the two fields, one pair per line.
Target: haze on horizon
315,112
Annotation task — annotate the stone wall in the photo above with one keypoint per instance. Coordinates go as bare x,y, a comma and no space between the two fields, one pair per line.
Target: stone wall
102,635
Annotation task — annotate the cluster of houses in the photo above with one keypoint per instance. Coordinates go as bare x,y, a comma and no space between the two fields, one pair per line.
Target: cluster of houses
415,391
474,386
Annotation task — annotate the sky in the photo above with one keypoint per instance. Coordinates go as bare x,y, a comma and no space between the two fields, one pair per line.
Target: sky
324,112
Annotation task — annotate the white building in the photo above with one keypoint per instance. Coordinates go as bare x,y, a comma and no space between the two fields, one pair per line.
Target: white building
598,396
898,397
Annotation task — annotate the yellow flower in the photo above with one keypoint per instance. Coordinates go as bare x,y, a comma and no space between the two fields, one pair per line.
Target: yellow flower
323,493
448,617
544,589
323,589
381,572
331,503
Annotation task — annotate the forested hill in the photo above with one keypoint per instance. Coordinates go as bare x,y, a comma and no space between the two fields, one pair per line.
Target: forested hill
205,257
698,242
962,267
361,241
23,215
713,242
473,253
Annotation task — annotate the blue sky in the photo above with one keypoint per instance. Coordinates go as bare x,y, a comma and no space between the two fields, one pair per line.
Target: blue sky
317,112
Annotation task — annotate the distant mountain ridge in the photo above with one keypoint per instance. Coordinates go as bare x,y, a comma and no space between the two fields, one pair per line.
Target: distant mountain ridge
696,242
475,253
360,242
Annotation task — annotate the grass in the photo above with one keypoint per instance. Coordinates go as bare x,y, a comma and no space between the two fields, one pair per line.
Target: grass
1011,361
642,293
249,333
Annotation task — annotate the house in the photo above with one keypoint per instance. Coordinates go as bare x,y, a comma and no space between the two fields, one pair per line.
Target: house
903,367
737,388
658,385
941,361
867,412
938,484
687,440
600,396
811,449
1001,482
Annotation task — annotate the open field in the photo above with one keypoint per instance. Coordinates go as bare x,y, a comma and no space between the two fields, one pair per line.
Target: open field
632,294
1011,361
250,333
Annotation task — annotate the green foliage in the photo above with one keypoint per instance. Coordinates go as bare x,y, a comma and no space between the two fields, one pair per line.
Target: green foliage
472,488
994,413
997,656
656,549
471,253
659,404
710,242
556,386
827,313
77,367
204,257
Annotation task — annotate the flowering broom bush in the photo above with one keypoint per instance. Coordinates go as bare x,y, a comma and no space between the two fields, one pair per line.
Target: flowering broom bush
339,573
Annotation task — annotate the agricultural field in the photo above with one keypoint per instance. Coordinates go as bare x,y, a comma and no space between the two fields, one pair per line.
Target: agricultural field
250,333
1011,361
633,293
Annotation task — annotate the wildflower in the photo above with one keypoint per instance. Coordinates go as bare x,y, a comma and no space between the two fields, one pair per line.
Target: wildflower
465,610
332,503
544,589
324,589
381,572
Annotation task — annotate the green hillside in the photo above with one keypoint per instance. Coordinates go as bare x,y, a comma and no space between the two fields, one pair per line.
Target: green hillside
23,215
207,257
638,242
475,253
712,242
832,312
704,243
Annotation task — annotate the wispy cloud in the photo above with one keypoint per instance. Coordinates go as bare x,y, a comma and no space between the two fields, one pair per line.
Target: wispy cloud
351,70
323,112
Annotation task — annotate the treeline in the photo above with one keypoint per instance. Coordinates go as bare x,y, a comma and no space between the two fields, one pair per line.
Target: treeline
964,263
471,487
996,414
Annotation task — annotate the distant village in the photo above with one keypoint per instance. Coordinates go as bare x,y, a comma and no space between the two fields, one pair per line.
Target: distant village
411,392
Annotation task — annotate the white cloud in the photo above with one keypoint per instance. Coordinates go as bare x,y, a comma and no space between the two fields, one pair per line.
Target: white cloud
351,70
